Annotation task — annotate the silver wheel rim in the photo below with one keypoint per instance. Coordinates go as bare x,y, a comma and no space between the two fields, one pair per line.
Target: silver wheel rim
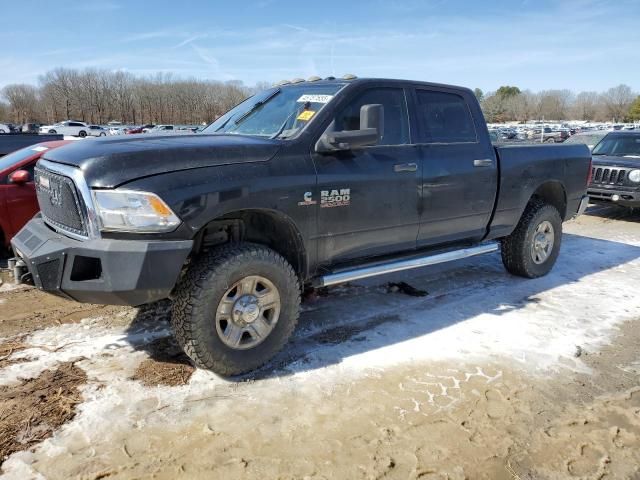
248,312
543,240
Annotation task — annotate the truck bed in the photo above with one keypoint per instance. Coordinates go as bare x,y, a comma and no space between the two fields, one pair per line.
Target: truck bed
525,168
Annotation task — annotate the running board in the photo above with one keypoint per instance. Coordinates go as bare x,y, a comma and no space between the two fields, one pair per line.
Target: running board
400,265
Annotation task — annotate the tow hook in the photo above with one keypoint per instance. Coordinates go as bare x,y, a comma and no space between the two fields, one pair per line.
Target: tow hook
20,271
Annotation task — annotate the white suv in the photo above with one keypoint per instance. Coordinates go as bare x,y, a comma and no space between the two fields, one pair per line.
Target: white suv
4,128
76,129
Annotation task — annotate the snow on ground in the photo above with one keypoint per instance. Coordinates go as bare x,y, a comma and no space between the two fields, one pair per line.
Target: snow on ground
474,312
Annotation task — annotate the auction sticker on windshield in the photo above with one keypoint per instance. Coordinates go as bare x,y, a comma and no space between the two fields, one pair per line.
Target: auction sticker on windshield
315,98
306,115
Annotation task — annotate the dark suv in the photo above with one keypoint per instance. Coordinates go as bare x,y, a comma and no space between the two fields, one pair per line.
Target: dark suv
615,176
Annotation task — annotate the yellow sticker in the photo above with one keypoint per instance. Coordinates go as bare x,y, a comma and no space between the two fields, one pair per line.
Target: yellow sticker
306,115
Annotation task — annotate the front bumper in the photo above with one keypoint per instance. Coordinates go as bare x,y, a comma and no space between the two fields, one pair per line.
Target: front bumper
616,196
114,272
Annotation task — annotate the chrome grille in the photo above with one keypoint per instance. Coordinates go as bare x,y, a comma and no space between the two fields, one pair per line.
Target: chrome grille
60,204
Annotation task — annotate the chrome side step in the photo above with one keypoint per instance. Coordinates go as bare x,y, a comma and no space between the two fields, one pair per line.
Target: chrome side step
400,265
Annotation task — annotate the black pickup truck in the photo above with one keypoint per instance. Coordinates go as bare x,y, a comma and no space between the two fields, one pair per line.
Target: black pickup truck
310,183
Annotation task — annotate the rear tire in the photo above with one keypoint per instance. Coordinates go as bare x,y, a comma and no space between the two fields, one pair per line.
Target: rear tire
53,132
82,134
532,248
213,317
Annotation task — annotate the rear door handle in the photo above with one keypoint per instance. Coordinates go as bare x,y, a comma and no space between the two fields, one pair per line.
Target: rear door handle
483,162
405,167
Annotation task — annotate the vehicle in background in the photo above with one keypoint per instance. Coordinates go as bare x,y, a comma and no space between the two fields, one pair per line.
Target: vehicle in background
4,129
116,131
139,129
147,128
507,133
68,127
18,202
97,131
546,135
161,129
589,138
30,128
615,175
307,184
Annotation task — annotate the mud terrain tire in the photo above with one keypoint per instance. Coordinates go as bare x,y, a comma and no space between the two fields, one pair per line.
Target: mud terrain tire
518,254
206,284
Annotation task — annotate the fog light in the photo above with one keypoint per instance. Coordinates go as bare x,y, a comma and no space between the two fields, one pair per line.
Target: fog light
615,198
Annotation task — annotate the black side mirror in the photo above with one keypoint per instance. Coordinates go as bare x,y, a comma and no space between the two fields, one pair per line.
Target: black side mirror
370,133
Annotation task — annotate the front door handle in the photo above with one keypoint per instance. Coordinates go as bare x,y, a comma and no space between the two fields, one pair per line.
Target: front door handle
405,167
484,162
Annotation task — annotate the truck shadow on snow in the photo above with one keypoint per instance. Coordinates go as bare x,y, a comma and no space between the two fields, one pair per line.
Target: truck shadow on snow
356,318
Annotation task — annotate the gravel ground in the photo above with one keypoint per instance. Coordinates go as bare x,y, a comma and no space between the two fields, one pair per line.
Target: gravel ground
488,376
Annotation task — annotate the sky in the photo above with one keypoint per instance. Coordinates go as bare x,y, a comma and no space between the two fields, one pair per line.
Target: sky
533,44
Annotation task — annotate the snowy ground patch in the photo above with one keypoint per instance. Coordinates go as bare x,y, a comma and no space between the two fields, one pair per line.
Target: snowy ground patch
475,312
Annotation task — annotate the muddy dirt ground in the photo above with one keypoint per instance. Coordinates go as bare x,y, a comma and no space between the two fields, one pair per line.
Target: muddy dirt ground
487,376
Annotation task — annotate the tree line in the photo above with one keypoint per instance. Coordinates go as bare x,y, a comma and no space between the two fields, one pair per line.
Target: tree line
99,96
509,103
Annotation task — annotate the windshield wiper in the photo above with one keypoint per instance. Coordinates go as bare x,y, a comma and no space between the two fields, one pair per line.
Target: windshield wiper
284,124
255,107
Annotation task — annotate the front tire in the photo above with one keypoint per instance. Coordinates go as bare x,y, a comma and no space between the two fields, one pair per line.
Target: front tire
235,308
82,134
532,248
53,132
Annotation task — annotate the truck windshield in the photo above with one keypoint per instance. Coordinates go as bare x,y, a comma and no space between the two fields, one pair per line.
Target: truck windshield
276,113
619,145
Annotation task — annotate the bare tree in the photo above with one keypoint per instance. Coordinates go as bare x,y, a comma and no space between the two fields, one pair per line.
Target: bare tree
4,112
23,101
554,104
617,101
97,96
586,106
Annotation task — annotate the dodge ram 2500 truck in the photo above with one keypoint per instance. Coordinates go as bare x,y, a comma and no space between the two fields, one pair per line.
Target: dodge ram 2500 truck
310,183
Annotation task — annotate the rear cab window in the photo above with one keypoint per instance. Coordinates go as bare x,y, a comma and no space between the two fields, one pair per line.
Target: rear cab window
444,117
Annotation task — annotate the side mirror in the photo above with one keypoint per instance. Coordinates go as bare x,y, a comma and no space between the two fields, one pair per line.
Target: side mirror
19,177
370,133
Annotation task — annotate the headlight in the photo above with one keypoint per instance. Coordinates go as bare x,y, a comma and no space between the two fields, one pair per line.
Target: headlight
634,176
132,211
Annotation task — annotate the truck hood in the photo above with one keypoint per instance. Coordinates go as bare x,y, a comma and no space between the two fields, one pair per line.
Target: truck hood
111,161
613,161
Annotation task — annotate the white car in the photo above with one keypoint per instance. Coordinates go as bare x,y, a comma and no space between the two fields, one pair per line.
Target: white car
116,131
69,127
97,131
160,129
4,128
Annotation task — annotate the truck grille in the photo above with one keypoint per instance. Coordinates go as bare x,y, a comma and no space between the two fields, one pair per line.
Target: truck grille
609,176
60,204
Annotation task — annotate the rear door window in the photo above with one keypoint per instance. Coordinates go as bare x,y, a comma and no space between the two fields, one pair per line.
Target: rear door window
444,118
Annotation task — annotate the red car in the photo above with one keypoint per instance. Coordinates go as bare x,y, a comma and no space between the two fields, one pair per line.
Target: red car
18,202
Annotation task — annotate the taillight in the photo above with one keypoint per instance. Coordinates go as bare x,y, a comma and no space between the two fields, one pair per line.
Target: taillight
590,174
